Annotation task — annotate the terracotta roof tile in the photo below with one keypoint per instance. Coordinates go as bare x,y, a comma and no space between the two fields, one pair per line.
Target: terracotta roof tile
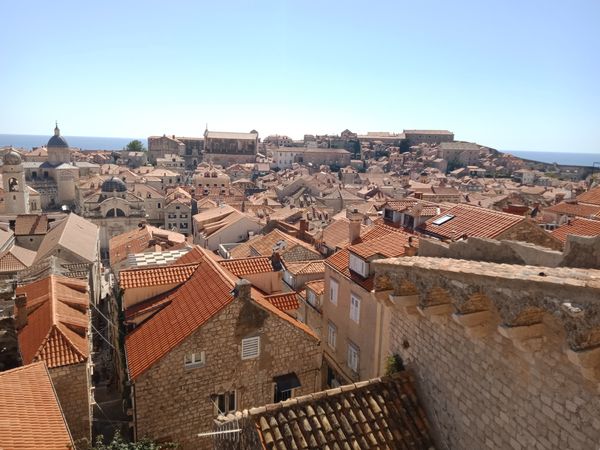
383,413
577,227
57,321
317,286
30,415
188,307
248,266
574,209
306,267
472,221
379,240
286,302
30,224
336,233
138,240
592,196
264,245
156,276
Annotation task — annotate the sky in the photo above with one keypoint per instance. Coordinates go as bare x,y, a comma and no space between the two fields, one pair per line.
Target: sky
519,75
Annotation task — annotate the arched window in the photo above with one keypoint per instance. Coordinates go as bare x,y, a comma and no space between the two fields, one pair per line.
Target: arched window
115,212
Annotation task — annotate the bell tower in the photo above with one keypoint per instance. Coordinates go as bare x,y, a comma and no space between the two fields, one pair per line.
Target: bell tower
16,195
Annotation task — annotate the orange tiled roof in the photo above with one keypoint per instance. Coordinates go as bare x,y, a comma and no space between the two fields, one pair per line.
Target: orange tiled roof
188,307
336,233
138,240
384,246
592,196
383,413
317,286
30,415
15,259
380,239
248,266
472,221
263,245
57,321
30,224
305,267
285,302
574,209
156,276
577,227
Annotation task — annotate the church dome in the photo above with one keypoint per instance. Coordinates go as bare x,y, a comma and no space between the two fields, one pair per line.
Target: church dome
114,184
12,158
57,140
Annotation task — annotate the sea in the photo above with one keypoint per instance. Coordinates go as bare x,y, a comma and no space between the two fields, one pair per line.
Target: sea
29,141
565,158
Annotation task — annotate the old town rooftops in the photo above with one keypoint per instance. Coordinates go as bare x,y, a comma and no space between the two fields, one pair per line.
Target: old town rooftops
156,276
57,321
30,414
186,308
381,413
471,221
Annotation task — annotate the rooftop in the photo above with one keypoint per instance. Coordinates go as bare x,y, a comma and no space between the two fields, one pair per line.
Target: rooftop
156,276
578,227
383,413
57,321
30,414
471,221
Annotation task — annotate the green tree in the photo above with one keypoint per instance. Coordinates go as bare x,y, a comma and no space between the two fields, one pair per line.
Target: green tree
135,146
118,443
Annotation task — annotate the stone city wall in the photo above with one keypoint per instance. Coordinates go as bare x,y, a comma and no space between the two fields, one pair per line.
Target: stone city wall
505,356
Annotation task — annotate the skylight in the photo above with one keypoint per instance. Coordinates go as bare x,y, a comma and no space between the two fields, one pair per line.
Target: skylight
445,218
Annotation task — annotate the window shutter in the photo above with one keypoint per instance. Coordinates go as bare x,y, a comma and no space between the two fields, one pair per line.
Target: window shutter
251,347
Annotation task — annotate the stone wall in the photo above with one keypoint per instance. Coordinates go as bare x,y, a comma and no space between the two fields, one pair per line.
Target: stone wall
173,403
528,231
583,252
505,356
487,394
72,387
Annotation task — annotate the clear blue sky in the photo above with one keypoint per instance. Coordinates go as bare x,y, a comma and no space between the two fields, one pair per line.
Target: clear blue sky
522,75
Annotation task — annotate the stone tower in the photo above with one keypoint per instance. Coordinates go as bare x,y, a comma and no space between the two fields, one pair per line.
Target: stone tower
16,195
58,149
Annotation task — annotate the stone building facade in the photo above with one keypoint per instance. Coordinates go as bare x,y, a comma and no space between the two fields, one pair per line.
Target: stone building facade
231,353
175,403
72,384
227,148
506,356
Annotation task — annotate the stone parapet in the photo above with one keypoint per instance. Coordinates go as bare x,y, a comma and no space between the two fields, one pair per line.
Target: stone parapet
472,291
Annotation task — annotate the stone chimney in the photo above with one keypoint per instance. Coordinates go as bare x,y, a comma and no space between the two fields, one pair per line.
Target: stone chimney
410,249
20,311
241,289
355,219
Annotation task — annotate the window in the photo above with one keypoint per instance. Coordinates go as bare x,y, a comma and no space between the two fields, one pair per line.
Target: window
158,205
251,347
354,308
358,265
191,360
284,386
225,403
177,207
353,356
183,225
333,291
311,298
331,335
445,218
183,216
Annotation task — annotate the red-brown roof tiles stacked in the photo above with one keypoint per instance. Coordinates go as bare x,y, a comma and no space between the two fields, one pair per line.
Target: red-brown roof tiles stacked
155,276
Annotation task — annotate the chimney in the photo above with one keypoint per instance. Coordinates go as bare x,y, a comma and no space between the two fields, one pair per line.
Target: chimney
410,249
303,226
20,311
241,289
355,219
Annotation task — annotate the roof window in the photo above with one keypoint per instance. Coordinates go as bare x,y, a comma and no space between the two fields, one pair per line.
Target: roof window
442,220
